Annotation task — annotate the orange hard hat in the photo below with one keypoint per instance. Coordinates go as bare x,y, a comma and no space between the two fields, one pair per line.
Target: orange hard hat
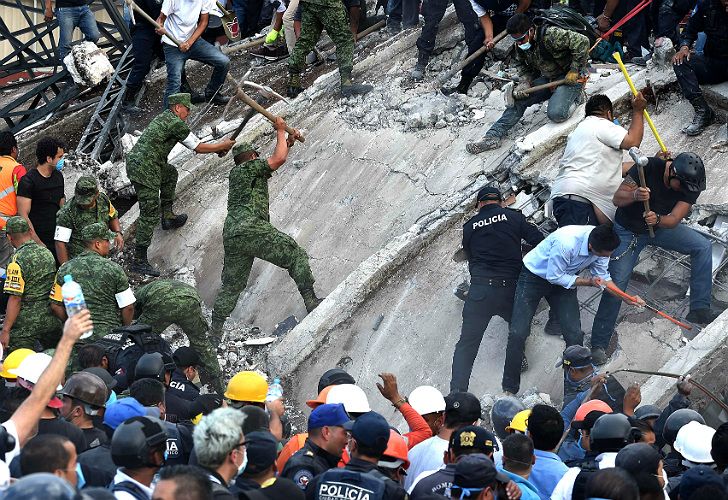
320,399
396,453
590,406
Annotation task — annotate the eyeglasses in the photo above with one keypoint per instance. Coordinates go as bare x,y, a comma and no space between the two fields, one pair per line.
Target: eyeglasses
402,471
519,38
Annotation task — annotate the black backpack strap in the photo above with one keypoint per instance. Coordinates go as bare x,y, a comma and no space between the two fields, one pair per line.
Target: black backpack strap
587,470
131,488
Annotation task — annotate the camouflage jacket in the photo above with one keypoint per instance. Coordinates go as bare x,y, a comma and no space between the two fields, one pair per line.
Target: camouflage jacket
71,218
105,288
30,273
165,296
144,161
248,195
559,52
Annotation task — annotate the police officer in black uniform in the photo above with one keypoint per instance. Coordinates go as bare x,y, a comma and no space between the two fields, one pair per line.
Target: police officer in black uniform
492,243
186,361
323,448
360,477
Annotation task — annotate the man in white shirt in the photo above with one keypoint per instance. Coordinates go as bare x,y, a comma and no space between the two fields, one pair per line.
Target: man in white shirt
591,169
138,448
186,20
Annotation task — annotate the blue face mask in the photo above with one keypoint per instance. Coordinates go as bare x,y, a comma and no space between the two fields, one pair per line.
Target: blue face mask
81,482
112,398
578,443
524,47
60,164
616,122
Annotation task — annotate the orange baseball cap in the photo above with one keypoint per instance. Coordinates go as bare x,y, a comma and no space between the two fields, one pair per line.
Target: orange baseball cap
587,408
320,399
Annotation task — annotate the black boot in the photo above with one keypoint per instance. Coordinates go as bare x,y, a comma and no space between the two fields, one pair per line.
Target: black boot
704,116
309,299
418,73
295,86
141,264
170,220
216,98
461,88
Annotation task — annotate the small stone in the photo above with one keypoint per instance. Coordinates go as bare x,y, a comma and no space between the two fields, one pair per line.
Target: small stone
441,124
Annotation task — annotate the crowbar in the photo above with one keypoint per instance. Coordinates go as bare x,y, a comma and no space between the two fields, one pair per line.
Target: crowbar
618,58
641,161
619,293
697,384
629,15
238,91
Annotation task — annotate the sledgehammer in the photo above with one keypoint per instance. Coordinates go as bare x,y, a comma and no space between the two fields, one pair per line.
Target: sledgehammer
238,91
508,90
641,161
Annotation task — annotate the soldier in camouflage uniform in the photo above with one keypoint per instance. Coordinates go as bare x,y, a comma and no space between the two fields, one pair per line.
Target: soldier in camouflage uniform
87,206
155,180
104,284
543,54
317,15
165,302
248,232
29,277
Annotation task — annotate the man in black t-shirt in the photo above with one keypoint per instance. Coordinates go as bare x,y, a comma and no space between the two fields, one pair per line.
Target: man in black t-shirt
672,189
41,192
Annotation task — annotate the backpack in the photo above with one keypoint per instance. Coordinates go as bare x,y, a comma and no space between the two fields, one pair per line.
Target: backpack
343,484
588,469
125,345
130,488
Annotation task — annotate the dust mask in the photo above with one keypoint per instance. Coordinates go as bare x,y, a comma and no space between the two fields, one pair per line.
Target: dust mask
60,164
524,47
243,465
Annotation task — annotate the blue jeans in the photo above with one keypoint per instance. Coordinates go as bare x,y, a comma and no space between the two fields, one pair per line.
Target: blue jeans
70,18
681,239
240,8
404,12
200,51
562,103
529,291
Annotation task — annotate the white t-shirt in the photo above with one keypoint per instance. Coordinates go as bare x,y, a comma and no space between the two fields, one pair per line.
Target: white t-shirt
565,487
120,477
183,16
426,456
592,163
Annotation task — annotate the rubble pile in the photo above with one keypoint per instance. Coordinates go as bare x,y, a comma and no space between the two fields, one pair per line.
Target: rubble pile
111,176
88,64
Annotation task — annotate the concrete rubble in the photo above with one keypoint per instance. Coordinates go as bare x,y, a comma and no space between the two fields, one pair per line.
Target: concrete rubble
87,64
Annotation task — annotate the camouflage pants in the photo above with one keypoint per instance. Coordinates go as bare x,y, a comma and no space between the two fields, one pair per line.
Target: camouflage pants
35,324
151,201
314,19
263,241
186,314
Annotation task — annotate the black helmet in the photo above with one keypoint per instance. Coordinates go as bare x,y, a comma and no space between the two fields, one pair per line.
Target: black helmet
135,439
677,420
503,412
647,411
40,486
334,376
150,365
689,169
611,432
87,388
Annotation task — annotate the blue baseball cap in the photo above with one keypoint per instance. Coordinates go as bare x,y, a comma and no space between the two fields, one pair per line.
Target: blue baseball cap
122,410
370,430
328,414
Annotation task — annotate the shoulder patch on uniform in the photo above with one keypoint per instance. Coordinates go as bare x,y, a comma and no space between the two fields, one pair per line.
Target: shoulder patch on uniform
308,453
302,478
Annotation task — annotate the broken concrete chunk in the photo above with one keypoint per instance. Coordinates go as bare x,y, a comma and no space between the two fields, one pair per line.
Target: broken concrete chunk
88,64
259,341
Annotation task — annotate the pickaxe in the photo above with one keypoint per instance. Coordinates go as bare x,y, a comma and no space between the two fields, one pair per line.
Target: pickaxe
641,161
238,91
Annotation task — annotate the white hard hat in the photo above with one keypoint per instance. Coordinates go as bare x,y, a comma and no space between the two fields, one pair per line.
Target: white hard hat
694,442
351,396
32,367
426,399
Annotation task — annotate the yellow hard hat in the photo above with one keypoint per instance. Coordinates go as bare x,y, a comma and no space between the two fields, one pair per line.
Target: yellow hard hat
247,386
13,361
519,422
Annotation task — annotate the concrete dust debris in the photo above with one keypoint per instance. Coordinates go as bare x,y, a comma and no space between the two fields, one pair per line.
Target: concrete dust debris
260,341
87,64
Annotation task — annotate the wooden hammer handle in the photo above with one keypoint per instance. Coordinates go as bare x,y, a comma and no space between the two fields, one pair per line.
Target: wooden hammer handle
646,203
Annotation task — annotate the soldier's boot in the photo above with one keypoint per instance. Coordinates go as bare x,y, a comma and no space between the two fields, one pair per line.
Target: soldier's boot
170,220
704,116
216,332
141,264
295,86
348,88
418,73
461,88
309,299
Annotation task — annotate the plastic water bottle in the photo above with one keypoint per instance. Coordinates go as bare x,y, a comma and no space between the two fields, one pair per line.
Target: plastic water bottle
275,390
73,299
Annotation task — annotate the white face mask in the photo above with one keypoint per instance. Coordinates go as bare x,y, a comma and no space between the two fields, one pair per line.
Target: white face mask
242,466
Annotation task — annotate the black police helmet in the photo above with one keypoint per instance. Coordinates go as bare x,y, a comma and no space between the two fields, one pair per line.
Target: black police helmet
677,420
611,432
150,365
689,169
645,412
135,439
503,412
334,376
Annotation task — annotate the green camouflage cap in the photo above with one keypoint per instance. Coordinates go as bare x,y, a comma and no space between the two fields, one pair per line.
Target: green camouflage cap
97,231
243,147
86,189
17,225
182,98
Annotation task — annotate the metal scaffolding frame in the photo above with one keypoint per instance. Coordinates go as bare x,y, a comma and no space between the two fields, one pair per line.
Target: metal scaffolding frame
36,59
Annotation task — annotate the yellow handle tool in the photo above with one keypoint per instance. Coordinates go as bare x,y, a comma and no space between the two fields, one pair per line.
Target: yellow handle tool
618,58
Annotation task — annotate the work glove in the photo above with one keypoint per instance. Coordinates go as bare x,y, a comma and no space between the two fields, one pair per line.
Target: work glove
272,36
572,77
518,91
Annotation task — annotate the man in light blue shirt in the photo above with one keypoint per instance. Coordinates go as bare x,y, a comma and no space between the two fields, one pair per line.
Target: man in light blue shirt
552,270
545,428
518,459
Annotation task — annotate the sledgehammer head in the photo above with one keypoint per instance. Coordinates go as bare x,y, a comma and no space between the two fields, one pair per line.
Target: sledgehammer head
639,158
